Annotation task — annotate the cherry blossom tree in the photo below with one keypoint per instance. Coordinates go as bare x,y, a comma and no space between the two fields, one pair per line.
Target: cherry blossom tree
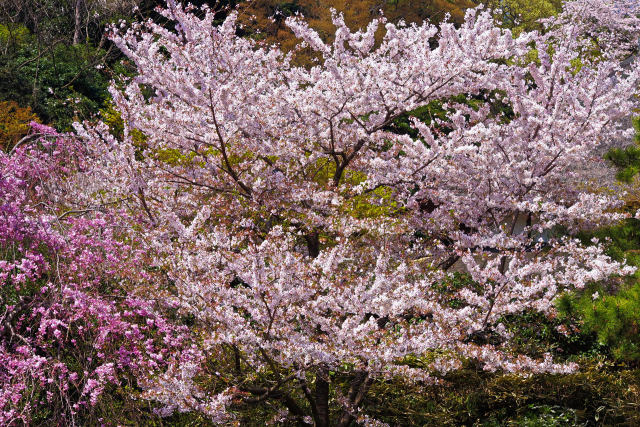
609,27
308,240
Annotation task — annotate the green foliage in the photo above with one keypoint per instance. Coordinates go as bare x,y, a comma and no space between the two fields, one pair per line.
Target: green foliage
432,115
375,204
627,159
111,117
600,393
60,85
623,240
524,15
11,34
611,310
402,124
538,334
613,316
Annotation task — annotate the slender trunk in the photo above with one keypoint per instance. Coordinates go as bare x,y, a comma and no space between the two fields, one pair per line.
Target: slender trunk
34,90
322,397
77,23
357,392
103,38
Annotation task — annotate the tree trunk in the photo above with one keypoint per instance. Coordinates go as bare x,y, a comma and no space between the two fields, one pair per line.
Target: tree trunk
322,397
313,244
77,23
358,390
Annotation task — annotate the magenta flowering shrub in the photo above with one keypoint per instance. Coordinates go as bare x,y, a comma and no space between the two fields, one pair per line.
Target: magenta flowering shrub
68,326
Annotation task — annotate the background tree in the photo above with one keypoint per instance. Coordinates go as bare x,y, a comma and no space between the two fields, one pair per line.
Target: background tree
52,50
265,19
524,15
14,123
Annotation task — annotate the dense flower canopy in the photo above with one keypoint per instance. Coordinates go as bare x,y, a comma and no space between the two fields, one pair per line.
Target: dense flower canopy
306,234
